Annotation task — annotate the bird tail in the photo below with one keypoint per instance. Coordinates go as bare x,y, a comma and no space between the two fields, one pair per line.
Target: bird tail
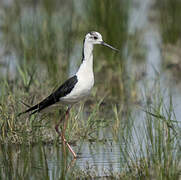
35,107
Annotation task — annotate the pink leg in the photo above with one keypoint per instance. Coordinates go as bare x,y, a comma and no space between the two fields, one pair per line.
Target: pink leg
65,119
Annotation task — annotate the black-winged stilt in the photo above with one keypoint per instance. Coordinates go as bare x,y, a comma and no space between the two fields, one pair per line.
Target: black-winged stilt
75,88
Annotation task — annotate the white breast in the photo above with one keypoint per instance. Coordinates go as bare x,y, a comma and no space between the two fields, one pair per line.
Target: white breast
81,90
83,87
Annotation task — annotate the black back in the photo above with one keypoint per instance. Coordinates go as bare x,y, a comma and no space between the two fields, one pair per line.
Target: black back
53,98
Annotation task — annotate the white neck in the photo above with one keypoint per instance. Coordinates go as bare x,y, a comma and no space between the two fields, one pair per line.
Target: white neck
87,59
87,51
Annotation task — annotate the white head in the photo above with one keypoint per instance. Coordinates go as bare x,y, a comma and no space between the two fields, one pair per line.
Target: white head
96,38
93,37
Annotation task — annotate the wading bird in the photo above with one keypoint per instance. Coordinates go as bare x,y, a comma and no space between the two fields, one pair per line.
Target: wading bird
75,88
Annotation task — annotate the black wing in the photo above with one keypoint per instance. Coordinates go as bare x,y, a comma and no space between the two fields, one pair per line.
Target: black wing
53,98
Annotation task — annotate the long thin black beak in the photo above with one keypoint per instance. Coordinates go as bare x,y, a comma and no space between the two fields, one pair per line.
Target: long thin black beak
105,44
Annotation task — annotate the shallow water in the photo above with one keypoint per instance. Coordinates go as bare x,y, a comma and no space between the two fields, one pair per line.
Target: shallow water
99,158
42,161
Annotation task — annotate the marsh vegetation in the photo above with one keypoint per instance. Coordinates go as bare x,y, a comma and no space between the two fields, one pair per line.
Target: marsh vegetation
129,128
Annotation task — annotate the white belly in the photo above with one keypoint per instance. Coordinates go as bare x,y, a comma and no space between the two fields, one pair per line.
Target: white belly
81,90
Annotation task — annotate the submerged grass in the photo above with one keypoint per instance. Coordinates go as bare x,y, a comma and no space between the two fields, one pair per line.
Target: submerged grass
149,150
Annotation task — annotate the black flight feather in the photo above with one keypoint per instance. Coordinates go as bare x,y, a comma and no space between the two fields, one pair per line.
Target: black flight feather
53,98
